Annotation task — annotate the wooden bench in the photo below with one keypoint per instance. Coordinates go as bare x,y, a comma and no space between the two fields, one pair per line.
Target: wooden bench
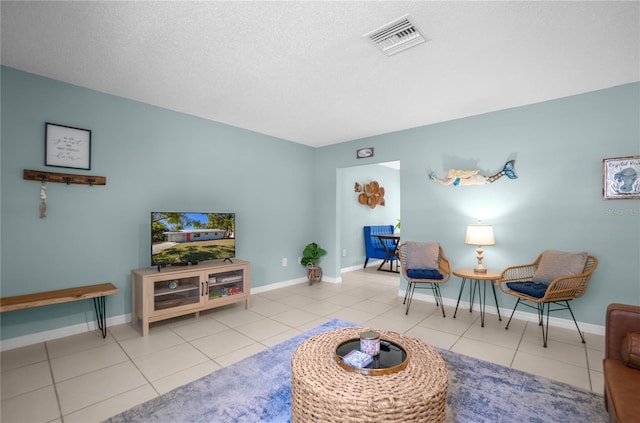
97,292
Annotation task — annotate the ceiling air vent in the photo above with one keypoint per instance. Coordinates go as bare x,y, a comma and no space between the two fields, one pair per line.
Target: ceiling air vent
396,36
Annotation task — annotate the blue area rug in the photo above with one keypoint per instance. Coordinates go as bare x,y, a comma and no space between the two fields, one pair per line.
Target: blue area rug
258,389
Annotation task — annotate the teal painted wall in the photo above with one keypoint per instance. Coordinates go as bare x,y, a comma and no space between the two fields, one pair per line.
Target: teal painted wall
154,159
353,215
286,194
555,203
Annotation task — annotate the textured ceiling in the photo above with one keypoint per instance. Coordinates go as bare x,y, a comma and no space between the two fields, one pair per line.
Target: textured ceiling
302,71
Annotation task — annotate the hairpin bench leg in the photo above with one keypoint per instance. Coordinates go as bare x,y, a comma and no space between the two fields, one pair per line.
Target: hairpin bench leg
99,303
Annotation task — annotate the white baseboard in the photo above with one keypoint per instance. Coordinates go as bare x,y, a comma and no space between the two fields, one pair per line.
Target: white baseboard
23,341
521,315
352,268
291,282
277,285
34,338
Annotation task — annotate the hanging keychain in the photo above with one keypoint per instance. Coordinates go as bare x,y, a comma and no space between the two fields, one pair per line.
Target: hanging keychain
43,200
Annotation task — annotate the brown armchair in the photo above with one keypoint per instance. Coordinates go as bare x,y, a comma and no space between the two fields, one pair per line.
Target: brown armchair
621,379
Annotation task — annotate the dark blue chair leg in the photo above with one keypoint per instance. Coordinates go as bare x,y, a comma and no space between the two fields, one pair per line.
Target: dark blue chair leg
514,310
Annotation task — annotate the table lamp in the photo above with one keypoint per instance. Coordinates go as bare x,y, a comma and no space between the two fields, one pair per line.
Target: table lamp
480,234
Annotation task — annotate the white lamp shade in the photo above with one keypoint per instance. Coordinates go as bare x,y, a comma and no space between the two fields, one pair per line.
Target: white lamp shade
480,234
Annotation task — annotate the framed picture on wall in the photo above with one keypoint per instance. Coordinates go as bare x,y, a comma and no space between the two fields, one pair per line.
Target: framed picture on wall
65,146
621,178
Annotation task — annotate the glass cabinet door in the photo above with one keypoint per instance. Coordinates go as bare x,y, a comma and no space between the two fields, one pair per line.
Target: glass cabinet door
177,292
225,284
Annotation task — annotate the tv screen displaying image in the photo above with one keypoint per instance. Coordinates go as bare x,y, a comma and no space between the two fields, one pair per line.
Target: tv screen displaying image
179,238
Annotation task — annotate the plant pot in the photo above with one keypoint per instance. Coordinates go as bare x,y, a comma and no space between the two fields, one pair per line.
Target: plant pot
314,273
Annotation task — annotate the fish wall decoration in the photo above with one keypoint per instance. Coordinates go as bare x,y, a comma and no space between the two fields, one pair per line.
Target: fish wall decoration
458,177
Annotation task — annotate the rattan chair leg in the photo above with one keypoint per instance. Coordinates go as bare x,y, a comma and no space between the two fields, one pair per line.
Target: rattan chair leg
412,289
434,287
512,312
406,292
436,291
540,313
545,326
576,323
545,334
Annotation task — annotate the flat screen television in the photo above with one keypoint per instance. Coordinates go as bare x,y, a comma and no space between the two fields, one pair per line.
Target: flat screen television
181,238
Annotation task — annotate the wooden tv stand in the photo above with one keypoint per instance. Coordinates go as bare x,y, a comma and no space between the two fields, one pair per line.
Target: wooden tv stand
179,290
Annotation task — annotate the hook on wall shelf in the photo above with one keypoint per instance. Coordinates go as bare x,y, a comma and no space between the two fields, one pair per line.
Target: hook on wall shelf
65,178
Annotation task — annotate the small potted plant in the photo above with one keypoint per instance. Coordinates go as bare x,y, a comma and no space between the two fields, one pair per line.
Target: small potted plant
310,259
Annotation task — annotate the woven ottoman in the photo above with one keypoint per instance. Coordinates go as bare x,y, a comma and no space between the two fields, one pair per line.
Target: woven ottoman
323,391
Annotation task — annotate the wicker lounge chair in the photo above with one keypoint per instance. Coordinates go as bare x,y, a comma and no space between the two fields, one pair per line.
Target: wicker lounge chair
423,271
535,284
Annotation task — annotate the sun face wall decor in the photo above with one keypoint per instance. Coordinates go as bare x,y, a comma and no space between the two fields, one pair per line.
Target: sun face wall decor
372,194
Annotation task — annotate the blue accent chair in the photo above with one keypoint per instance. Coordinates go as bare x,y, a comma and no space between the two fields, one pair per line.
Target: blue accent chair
372,245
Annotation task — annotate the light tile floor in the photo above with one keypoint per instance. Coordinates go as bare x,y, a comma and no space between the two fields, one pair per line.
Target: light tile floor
85,378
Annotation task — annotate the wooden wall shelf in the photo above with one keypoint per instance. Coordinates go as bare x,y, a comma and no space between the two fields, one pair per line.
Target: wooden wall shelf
65,178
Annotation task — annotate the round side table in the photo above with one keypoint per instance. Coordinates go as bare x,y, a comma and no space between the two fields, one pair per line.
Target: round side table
323,391
474,285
